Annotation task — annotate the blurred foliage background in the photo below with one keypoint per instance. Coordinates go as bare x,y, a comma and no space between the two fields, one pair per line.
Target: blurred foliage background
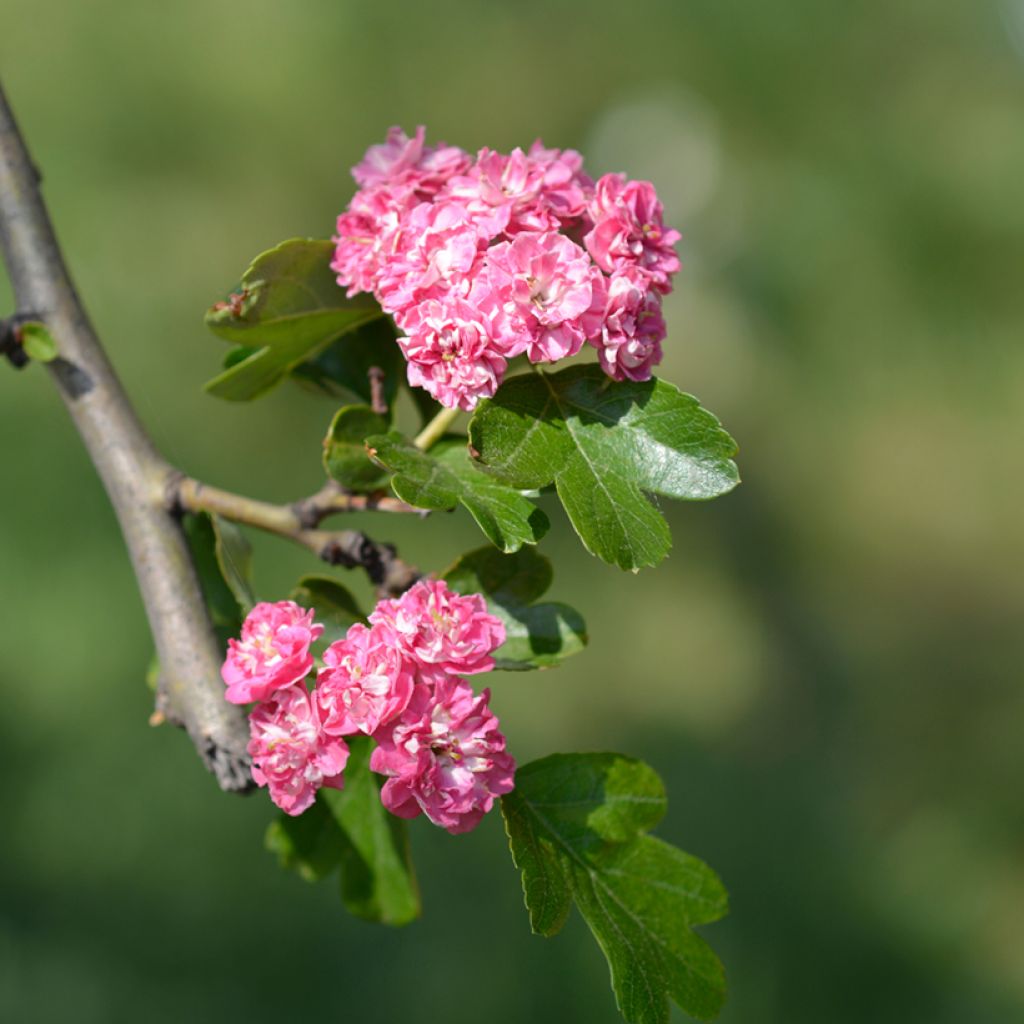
827,671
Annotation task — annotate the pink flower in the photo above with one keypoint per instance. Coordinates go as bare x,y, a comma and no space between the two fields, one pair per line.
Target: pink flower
630,341
628,230
405,161
565,189
509,184
364,683
445,757
291,754
273,652
436,627
450,353
365,234
546,295
431,254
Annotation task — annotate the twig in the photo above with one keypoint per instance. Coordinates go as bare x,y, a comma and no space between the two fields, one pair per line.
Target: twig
134,473
332,499
298,522
435,429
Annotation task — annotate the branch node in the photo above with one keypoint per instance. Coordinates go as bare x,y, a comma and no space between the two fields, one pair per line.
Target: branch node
10,338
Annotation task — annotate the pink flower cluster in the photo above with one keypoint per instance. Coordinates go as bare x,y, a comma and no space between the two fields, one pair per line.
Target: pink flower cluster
483,260
397,680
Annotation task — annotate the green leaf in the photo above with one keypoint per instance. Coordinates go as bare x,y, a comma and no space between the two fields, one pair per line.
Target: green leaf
335,607
603,443
576,825
446,476
234,559
37,342
345,457
377,879
222,559
289,309
310,843
349,829
537,635
343,369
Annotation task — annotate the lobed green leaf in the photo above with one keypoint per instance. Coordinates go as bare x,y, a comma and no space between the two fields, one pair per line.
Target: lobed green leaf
603,443
576,825
446,476
289,309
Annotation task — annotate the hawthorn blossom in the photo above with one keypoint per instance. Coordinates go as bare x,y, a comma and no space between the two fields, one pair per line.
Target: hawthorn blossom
449,348
565,188
628,230
438,628
444,757
431,254
292,756
477,261
273,652
630,341
546,295
364,683
404,161
365,233
510,185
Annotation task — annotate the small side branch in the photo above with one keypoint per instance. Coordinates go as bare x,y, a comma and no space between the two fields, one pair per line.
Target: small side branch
298,523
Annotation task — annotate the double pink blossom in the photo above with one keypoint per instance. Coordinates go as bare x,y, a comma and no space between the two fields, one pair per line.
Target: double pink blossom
437,628
629,231
365,682
629,344
478,261
401,161
444,757
292,755
273,652
449,351
547,296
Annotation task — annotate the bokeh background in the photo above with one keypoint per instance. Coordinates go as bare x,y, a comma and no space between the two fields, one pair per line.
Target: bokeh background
827,671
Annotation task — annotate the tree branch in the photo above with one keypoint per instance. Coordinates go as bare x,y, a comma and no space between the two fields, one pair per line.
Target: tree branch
136,477
298,522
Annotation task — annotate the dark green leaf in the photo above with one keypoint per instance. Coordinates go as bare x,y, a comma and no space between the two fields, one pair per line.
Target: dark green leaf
537,635
37,342
209,554
603,443
349,829
289,309
335,607
310,843
345,457
446,476
576,824
377,879
234,559
343,369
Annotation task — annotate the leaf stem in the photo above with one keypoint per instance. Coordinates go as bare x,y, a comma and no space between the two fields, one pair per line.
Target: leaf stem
435,429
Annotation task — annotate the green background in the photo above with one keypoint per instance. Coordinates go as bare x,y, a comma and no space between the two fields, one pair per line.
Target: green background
827,670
